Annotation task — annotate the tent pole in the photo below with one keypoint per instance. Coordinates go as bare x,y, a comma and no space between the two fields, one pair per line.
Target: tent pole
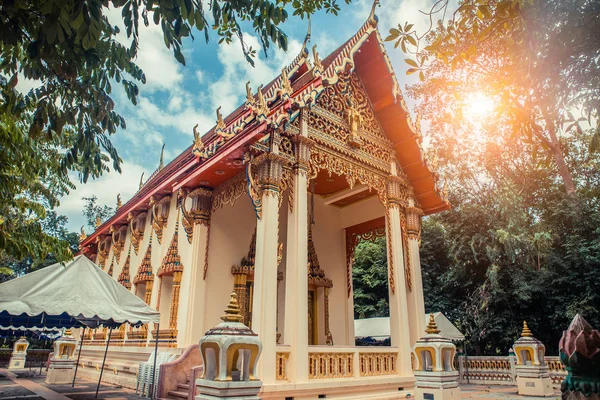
155,351
79,355
103,361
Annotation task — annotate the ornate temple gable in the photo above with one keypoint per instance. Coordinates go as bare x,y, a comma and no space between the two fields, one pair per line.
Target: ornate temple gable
343,120
280,101
125,276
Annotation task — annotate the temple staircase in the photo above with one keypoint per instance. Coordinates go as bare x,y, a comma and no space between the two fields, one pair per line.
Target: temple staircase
182,391
177,378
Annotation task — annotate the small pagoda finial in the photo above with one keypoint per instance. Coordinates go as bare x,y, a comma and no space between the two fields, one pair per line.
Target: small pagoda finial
526,331
373,20
198,145
68,332
161,163
432,326
98,221
119,203
82,236
141,181
232,312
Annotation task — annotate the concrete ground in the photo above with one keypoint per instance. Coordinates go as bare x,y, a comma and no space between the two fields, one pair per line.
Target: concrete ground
30,385
488,392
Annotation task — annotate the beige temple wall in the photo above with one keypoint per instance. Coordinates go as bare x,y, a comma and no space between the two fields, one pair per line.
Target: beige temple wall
230,234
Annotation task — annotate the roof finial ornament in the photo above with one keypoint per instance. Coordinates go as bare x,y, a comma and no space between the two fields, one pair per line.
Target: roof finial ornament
119,203
232,312
98,221
432,326
198,145
161,163
373,20
82,236
220,122
318,66
141,181
220,127
262,103
286,85
526,331
249,96
306,39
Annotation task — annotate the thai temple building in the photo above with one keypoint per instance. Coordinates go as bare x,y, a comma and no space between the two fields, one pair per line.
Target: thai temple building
271,203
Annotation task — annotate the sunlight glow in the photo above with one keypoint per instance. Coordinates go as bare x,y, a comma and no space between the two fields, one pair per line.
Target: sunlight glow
478,106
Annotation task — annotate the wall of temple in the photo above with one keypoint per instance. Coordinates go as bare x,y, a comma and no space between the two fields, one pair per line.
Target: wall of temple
230,234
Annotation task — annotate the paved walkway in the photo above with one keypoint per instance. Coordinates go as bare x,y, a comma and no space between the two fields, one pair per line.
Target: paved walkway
488,392
31,386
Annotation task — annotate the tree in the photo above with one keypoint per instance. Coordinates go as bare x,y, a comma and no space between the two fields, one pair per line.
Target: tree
369,280
69,49
54,226
93,212
536,61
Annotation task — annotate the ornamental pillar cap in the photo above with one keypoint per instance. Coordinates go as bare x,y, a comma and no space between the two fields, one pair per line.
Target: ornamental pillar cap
232,312
526,331
432,326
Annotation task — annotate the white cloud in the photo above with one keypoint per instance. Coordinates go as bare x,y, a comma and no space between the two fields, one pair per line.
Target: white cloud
200,76
106,189
162,71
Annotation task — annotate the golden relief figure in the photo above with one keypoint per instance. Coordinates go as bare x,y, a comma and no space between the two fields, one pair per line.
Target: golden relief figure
355,121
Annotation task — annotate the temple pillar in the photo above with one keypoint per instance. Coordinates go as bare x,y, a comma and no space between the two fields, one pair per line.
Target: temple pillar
264,308
296,283
416,302
399,317
196,221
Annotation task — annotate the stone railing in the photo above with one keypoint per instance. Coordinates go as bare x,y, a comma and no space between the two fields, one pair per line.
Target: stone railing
282,357
501,370
332,362
376,363
325,365
556,369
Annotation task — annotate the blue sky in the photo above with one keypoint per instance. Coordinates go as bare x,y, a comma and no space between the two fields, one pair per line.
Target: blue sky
177,97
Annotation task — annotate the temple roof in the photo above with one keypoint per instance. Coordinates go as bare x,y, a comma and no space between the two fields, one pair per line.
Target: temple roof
223,145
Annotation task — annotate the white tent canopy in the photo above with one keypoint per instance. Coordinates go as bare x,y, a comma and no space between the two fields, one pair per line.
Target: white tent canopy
70,295
379,328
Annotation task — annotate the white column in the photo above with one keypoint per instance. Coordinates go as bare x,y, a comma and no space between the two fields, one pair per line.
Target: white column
399,320
417,303
296,283
264,308
191,324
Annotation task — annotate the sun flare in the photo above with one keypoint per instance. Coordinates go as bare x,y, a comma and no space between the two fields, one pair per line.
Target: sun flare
478,106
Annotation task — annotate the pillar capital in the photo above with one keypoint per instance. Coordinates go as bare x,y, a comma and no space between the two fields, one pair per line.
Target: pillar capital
270,171
397,191
413,222
303,145
199,213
